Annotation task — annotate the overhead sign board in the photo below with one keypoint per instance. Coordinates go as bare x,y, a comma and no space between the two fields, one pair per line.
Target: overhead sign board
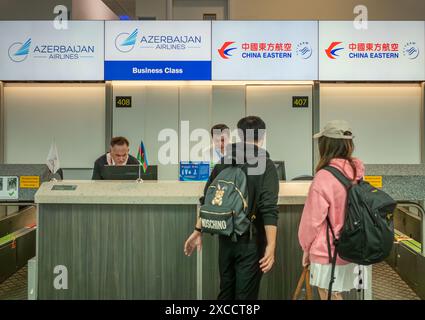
36,50
158,50
385,51
264,50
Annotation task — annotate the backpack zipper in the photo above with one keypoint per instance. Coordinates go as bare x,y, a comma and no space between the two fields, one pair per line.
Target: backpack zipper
375,223
245,204
218,214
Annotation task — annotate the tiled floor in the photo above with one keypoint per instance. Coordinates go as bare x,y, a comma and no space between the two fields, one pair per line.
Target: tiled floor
15,288
387,284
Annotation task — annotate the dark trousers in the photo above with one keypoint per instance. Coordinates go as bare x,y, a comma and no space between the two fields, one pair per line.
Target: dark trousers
240,272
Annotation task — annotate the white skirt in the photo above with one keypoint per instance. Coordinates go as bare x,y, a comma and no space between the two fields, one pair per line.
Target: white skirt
347,277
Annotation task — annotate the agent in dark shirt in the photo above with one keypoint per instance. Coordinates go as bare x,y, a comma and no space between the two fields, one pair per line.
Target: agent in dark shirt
118,155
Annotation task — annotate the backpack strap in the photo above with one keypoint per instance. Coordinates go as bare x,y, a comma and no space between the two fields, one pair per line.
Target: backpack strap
253,214
332,257
339,176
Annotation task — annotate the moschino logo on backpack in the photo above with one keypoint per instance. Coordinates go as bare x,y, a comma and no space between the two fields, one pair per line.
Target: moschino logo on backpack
214,224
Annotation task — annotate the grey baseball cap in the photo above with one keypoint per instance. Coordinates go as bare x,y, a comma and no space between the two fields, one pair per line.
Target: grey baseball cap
335,129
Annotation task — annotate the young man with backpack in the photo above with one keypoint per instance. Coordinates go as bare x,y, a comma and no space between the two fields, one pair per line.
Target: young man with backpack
240,205
346,223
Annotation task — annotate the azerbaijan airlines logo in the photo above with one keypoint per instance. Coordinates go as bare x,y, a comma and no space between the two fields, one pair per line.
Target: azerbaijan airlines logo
19,51
125,42
331,52
224,51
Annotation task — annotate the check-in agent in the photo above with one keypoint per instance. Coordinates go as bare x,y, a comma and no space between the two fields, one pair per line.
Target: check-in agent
118,155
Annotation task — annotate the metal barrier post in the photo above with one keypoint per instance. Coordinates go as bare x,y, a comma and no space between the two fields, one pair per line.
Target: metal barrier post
422,214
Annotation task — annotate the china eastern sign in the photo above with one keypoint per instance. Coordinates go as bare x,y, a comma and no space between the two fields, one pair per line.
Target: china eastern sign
36,50
264,50
158,50
385,51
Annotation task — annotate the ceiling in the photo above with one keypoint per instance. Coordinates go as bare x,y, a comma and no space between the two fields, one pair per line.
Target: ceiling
122,7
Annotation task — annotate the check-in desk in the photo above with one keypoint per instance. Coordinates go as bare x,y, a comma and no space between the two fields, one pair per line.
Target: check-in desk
124,240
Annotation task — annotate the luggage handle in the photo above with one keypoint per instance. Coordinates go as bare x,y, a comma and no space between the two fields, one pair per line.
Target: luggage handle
305,277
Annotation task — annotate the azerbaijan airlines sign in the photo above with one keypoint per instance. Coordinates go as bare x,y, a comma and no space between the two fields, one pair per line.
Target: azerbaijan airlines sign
150,50
35,50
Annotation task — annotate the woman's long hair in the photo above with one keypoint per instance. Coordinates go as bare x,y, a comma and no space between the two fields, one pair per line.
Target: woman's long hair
330,148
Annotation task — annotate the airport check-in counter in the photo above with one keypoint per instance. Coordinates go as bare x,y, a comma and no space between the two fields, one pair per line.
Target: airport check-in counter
124,240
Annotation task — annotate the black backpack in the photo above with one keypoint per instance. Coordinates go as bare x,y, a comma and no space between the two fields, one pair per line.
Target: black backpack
225,208
368,232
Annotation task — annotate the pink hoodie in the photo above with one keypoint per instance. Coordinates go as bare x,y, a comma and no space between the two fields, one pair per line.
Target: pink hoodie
327,196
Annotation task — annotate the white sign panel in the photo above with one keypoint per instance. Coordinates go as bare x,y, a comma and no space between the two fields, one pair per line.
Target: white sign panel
158,50
385,51
36,50
9,188
264,50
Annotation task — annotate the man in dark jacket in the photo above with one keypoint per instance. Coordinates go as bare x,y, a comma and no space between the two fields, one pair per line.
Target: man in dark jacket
243,262
118,155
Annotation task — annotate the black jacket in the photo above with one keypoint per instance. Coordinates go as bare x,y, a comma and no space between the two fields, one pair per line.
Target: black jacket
101,162
263,187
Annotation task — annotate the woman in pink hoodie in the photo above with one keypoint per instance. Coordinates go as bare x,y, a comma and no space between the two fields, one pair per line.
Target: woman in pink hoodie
327,197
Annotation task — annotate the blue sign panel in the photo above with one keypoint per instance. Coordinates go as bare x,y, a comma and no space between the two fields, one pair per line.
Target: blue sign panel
158,70
194,171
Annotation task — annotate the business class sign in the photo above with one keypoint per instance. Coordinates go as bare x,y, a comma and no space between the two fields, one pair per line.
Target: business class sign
35,50
387,51
264,50
152,50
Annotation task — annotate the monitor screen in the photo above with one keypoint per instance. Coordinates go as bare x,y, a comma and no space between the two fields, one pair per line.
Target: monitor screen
280,167
129,172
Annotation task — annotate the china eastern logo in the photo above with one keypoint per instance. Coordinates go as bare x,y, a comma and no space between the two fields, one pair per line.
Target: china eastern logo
304,50
264,50
225,51
373,50
125,42
411,50
332,50
19,51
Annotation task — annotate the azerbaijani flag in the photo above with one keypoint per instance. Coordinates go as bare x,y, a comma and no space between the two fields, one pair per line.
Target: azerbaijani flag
142,157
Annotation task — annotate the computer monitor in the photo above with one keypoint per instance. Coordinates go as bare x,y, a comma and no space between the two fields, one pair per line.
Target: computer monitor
280,167
129,172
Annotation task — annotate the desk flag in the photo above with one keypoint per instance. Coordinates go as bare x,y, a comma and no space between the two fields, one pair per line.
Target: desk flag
53,159
142,157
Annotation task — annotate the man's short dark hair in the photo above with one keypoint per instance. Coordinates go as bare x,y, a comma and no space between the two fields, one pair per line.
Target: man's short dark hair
221,126
251,127
119,141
